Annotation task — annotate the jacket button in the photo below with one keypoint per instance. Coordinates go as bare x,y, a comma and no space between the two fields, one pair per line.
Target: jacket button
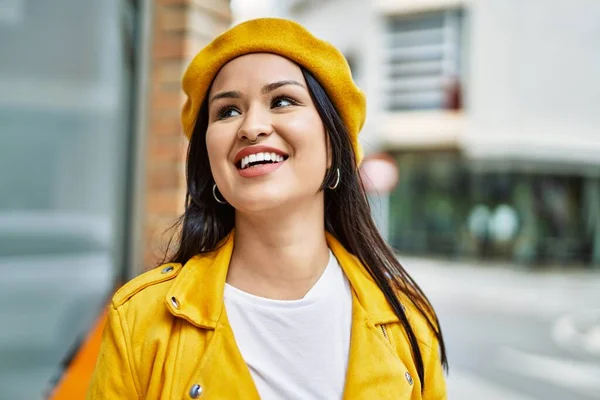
408,378
167,270
175,303
195,391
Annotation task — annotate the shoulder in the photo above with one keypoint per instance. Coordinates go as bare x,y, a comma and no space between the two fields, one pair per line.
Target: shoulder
148,286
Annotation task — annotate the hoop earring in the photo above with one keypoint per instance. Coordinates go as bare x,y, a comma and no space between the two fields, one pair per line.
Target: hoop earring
337,181
216,197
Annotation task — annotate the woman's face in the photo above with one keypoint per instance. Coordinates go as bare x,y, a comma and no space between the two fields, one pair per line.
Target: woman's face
264,98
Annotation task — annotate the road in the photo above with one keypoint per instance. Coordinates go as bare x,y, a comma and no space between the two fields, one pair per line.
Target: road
516,335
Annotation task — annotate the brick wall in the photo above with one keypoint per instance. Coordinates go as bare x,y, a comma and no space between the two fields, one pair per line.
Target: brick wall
180,29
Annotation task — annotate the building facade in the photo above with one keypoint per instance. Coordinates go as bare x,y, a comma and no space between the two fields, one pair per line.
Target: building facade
491,111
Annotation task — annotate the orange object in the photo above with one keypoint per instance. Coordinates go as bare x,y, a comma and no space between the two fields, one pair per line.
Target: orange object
76,379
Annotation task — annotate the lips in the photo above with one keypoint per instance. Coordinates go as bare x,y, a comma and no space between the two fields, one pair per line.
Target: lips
255,156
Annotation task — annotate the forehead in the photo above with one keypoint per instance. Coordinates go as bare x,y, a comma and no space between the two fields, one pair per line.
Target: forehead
255,70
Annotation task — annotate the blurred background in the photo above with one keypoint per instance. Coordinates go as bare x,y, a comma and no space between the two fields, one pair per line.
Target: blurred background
483,145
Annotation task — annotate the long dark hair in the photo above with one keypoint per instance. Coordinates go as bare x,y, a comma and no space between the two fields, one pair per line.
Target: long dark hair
347,217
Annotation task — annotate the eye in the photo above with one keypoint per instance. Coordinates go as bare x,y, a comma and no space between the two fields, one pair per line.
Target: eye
283,101
227,112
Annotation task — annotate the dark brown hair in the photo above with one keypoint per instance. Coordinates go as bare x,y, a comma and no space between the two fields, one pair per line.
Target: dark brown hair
347,217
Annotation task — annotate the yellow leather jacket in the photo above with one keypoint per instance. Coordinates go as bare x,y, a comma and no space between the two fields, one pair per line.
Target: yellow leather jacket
168,337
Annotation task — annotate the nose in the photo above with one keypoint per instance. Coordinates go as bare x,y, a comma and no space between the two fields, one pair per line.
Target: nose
256,125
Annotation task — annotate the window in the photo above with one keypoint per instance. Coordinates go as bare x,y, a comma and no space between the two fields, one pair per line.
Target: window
11,12
422,62
65,111
448,207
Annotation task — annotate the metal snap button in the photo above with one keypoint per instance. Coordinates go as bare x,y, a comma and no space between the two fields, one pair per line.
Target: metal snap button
175,303
195,391
408,378
166,270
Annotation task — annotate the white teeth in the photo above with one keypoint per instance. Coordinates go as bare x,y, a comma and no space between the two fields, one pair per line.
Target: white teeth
246,161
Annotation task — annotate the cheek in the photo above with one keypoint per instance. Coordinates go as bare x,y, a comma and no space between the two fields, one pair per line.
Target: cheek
307,137
217,147
211,144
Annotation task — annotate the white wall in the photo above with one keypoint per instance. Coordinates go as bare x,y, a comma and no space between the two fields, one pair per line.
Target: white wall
244,10
534,89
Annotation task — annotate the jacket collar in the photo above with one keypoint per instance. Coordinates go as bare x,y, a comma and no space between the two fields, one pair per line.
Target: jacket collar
197,291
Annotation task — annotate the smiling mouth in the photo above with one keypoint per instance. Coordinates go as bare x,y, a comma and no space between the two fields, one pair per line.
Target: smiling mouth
257,159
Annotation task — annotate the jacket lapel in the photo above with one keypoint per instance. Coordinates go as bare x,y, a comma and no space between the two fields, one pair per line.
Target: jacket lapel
374,370
223,373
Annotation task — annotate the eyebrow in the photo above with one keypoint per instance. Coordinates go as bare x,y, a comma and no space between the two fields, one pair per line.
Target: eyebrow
275,85
233,94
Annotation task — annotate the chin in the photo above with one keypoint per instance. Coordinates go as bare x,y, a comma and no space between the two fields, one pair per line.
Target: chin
258,205
260,201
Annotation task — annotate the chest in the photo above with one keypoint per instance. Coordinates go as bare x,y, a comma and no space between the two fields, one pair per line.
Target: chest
183,361
294,350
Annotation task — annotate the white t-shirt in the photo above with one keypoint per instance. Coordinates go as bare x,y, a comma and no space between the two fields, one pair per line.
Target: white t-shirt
296,349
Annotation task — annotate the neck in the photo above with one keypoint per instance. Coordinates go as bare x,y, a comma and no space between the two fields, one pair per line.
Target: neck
279,255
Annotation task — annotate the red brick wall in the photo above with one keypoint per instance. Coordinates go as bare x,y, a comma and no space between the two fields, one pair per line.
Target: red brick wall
180,29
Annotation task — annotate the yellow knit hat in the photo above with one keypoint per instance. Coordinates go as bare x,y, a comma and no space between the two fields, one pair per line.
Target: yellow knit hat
287,39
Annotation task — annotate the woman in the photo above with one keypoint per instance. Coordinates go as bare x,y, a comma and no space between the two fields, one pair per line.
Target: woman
281,286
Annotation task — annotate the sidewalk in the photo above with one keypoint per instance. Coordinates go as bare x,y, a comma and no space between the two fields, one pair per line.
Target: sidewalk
569,301
505,287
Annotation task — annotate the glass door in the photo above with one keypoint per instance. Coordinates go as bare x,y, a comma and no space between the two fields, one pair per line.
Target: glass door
65,138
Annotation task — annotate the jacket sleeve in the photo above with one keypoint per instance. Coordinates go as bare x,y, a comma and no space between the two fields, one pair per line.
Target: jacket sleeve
114,376
435,381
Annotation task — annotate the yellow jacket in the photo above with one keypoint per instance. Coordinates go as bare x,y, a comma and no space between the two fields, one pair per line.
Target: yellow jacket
168,337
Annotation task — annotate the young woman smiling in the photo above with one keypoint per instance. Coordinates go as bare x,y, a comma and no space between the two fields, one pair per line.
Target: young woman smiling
280,286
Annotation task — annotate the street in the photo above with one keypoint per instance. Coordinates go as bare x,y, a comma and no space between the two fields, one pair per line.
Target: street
516,335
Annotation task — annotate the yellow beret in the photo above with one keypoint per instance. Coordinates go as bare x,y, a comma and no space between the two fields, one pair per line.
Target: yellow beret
287,39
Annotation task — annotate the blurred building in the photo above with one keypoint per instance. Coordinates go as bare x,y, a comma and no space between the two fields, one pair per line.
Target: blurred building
491,111
91,162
